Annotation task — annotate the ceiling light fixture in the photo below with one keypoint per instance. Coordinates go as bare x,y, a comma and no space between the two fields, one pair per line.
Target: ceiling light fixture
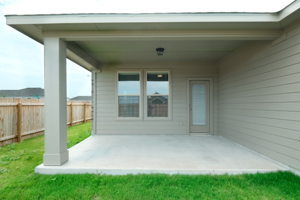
160,51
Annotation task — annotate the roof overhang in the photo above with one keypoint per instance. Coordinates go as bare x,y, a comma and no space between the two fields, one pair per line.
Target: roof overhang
197,26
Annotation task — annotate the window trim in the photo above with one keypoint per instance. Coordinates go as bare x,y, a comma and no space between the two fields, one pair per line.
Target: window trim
140,117
146,99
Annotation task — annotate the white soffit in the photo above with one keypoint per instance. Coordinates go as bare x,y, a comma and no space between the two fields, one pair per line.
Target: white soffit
232,29
167,17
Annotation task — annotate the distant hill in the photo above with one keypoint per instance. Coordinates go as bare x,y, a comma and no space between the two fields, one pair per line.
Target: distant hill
23,93
82,98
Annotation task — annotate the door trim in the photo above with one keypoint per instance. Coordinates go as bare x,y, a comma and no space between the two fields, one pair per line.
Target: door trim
211,105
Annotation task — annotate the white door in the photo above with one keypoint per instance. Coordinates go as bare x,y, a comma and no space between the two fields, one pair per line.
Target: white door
199,106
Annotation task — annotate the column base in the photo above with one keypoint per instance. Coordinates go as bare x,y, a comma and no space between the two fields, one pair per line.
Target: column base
56,159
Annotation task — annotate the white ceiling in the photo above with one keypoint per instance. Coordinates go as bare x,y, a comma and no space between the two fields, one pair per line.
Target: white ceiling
132,38
139,51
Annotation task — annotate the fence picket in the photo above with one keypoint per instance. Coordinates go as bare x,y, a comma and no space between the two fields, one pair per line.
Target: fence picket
24,118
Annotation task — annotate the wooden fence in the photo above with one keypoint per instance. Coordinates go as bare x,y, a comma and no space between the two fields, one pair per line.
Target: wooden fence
24,118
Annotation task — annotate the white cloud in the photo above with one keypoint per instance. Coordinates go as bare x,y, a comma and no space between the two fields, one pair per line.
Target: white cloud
78,80
22,65
140,6
21,58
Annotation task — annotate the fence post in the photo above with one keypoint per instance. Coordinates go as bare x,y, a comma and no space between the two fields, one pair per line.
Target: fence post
71,114
84,112
19,122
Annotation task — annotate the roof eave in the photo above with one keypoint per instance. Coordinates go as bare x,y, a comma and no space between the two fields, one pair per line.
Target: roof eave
30,24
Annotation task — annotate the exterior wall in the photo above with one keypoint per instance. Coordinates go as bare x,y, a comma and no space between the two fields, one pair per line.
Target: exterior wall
259,97
106,100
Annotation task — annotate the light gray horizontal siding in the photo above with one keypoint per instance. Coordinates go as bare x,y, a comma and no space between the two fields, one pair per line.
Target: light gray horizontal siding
259,97
106,116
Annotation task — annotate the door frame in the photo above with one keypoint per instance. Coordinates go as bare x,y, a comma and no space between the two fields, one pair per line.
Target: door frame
211,105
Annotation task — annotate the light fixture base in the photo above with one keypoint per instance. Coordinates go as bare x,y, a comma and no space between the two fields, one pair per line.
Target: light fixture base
160,51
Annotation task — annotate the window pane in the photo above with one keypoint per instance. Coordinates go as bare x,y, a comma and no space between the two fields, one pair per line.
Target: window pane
129,106
157,83
157,106
199,104
128,84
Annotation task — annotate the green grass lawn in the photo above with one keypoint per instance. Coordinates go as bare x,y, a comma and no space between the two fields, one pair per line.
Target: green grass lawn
18,180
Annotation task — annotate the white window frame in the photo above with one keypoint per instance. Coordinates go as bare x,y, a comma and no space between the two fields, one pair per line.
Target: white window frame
146,96
140,95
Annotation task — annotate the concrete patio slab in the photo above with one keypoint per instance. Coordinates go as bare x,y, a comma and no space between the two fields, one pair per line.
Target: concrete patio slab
120,155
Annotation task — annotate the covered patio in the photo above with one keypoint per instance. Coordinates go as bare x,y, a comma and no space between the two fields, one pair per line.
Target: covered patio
120,155
174,92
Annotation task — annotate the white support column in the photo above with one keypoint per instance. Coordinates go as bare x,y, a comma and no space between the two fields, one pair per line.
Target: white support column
94,102
56,152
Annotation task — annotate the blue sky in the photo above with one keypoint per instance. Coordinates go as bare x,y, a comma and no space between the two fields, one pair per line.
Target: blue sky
22,64
21,58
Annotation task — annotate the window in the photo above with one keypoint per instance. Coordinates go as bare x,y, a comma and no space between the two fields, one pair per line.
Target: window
129,94
157,91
